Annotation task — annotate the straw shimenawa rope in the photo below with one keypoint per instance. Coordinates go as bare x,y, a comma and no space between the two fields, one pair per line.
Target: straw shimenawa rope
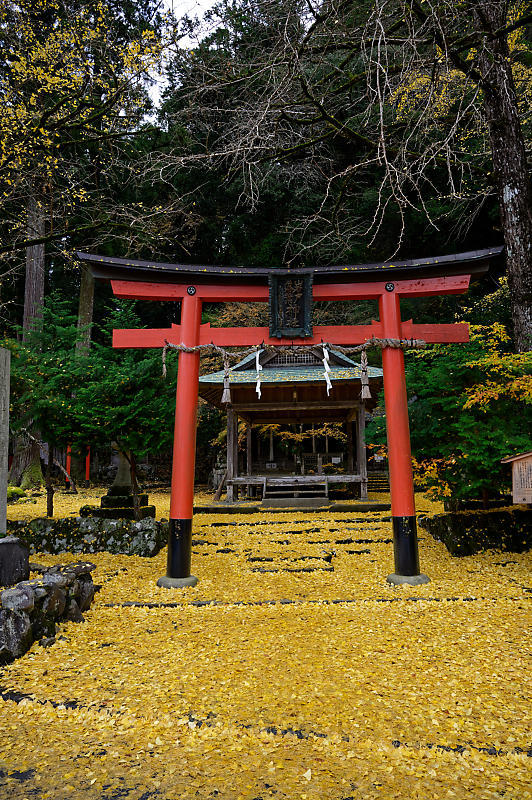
365,394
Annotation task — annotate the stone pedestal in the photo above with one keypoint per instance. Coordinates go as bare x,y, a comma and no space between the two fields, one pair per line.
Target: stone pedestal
118,504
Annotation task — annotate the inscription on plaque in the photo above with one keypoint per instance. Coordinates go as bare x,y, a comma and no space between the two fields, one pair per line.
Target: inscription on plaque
290,304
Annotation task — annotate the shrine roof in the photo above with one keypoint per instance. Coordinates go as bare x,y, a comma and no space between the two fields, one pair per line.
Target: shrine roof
473,262
338,359
296,374
517,457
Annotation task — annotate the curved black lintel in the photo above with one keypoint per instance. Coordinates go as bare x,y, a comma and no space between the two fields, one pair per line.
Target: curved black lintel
473,262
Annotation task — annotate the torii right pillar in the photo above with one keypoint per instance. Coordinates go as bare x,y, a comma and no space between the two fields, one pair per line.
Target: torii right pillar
405,548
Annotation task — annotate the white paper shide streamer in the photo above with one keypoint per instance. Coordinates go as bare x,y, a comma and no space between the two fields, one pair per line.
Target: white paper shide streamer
258,367
327,369
226,394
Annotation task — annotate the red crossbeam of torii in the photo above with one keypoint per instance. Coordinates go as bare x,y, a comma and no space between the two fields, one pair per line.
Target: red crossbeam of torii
193,288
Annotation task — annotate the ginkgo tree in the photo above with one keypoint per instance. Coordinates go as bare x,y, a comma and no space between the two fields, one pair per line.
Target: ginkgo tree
67,82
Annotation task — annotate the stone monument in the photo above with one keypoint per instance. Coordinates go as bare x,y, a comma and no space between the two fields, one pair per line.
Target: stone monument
119,502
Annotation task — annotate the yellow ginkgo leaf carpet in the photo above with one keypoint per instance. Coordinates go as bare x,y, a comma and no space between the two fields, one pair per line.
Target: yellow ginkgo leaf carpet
292,670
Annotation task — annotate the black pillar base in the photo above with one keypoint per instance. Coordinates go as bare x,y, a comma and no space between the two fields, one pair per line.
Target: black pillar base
179,551
179,548
406,557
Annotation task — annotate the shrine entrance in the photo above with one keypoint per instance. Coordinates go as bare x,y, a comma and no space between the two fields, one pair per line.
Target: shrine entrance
304,442
290,296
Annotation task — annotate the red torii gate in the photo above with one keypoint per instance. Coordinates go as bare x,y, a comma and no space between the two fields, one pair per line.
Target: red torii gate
193,285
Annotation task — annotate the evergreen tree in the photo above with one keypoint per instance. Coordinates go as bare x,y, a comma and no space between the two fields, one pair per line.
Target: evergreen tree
470,406
95,396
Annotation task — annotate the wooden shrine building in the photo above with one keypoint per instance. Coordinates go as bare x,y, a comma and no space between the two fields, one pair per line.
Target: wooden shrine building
294,393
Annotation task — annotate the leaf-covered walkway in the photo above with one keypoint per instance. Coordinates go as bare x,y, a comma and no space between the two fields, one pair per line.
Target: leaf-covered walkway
291,671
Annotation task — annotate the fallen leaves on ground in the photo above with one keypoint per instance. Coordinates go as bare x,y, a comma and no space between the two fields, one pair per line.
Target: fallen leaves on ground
277,677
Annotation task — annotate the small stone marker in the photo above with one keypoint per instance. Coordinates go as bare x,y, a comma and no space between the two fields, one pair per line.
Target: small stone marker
14,561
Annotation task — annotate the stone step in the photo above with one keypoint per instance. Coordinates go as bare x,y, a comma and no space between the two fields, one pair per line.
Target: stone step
295,502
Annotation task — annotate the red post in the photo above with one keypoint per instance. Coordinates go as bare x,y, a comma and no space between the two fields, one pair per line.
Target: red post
399,454
88,466
184,454
68,466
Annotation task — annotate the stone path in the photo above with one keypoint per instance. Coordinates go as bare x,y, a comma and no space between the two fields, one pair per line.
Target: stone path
291,671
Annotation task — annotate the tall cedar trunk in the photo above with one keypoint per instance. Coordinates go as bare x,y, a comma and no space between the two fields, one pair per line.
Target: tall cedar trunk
85,309
34,284
26,468
26,465
86,289
510,168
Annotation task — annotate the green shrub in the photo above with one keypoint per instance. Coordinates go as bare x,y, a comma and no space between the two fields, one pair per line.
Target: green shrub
14,492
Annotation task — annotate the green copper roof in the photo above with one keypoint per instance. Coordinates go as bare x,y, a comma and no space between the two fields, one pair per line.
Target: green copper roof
296,374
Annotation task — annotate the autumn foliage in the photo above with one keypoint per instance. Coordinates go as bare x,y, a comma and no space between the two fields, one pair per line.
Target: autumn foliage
291,671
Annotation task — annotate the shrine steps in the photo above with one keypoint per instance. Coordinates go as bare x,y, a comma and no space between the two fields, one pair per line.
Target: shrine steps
293,489
378,482
318,503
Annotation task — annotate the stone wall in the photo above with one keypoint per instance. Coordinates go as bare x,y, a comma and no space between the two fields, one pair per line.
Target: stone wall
467,532
90,535
31,609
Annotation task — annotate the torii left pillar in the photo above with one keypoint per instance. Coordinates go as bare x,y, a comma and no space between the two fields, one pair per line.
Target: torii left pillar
184,455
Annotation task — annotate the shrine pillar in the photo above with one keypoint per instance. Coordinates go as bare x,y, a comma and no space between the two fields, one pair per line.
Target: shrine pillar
249,465
350,449
405,545
361,451
88,467
184,453
230,453
68,465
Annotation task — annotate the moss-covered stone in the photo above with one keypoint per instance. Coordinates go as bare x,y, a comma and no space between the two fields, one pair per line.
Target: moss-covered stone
92,535
14,492
467,532
32,477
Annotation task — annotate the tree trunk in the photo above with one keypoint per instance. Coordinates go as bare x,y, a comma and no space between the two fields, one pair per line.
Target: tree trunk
85,310
34,285
26,466
510,168
220,488
5,375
